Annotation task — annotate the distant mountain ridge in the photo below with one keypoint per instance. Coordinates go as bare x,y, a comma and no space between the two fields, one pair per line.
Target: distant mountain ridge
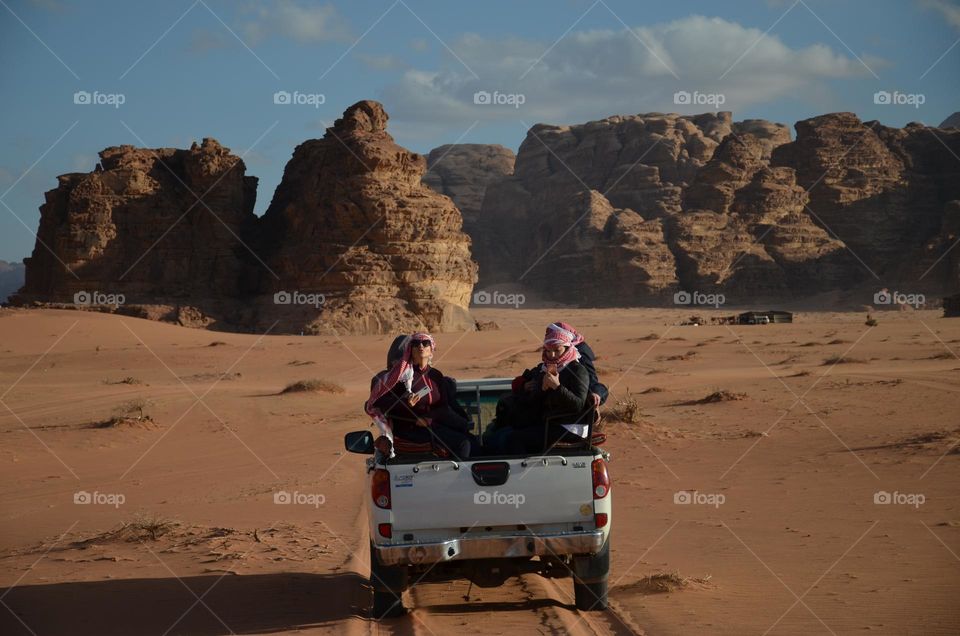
11,279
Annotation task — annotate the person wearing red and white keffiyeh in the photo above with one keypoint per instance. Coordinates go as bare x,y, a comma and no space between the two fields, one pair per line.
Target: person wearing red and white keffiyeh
416,402
559,385
598,390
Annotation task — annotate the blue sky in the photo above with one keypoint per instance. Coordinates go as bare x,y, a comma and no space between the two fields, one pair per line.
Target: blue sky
188,69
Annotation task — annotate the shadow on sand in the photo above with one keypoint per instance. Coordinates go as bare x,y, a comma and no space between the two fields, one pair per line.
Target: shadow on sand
261,603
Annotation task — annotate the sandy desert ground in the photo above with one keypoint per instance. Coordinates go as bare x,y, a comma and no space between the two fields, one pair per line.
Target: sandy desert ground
183,535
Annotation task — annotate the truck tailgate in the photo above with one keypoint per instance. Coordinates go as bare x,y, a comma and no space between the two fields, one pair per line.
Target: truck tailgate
437,495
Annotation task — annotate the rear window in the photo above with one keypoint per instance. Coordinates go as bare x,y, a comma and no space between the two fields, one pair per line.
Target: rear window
481,406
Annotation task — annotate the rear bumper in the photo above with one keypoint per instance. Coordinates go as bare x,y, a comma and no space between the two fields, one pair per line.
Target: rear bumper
490,547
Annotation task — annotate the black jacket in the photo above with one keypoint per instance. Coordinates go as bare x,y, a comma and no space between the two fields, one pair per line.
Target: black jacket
571,397
587,356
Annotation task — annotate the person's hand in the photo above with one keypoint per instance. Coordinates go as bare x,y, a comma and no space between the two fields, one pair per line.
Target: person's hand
413,399
529,386
551,380
423,422
383,444
596,400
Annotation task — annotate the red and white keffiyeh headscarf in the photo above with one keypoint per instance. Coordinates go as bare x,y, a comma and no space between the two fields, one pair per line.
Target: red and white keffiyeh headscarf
401,371
560,333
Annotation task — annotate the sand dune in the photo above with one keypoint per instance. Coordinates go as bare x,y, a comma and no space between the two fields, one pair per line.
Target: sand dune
782,531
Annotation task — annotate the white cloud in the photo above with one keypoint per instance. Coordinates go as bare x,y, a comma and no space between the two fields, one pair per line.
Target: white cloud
949,10
286,18
591,74
382,62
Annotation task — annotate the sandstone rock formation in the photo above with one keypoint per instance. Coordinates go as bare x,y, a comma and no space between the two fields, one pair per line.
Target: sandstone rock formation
884,192
629,209
158,226
463,171
623,211
351,230
351,220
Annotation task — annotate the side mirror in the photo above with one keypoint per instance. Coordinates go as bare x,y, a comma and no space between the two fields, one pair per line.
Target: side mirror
359,442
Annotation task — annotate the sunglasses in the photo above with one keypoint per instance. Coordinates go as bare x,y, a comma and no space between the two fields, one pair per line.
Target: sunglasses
420,343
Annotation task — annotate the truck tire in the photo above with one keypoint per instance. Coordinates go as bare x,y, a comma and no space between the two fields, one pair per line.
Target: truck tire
590,596
590,572
388,583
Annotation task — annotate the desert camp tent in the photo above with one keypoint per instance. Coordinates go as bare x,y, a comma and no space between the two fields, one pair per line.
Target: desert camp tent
750,317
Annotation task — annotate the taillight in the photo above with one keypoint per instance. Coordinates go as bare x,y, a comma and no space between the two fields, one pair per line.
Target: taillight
601,519
385,530
601,479
380,488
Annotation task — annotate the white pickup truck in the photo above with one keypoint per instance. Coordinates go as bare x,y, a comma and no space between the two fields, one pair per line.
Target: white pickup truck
487,518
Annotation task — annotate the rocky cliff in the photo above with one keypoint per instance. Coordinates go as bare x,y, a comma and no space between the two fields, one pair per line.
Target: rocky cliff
352,242
629,209
351,220
463,171
623,211
953,121
156,228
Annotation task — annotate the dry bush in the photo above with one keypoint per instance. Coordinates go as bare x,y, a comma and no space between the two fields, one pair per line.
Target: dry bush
127,380
722,396
316,385
667,582
626,410
843,360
